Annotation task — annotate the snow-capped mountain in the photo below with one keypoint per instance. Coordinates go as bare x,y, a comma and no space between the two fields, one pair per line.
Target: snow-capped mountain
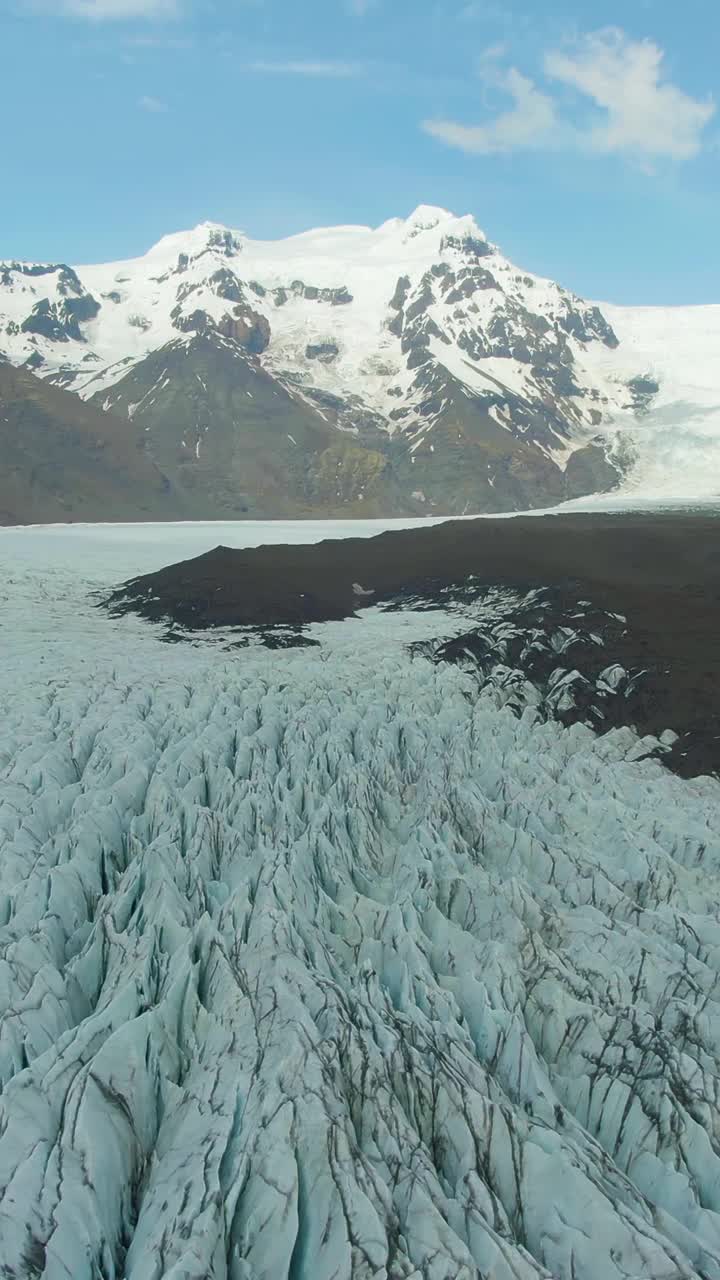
428,371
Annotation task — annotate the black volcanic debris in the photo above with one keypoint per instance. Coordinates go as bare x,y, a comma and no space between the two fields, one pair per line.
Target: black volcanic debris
584,666
612,620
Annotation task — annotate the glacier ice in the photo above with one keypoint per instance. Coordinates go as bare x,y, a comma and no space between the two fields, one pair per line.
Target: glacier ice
321,964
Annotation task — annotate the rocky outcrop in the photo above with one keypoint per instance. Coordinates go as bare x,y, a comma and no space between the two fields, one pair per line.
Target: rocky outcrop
248,328
590,470
61,322
324,351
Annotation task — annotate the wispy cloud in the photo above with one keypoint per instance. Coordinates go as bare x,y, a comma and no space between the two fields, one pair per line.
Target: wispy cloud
331,70
528,123
640,112
109,10
155,105
624,105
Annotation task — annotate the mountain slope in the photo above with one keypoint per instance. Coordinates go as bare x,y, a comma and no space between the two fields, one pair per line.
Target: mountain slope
65,460
236,442
461,382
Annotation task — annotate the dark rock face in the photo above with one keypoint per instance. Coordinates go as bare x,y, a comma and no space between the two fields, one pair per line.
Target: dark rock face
397,304
45,321
468,282
587,324
643,390
248,328
194,322
60,323
469,245
80,310
34,270
399,298
589,470
223,239
69,282
323,351
226,285
339,297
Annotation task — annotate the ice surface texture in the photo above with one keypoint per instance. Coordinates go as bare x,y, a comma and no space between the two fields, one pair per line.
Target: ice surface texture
319,965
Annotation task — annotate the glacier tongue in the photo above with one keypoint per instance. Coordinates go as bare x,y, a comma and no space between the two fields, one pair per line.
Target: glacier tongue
319,965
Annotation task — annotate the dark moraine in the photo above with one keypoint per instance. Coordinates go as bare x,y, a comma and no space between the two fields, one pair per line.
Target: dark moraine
660,571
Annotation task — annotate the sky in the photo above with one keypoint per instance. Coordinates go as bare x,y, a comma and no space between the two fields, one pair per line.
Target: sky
583,135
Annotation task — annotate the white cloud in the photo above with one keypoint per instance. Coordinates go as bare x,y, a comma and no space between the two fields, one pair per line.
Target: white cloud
331,70
641,112
528,123
114,10
154,105
627,106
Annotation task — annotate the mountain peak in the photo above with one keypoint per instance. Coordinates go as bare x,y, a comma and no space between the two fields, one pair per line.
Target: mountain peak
204,236
428,215
429,218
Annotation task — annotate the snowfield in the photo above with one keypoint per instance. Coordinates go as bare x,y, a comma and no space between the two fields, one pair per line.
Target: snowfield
321,963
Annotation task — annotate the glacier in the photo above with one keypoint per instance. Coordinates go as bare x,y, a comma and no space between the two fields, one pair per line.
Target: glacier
326,963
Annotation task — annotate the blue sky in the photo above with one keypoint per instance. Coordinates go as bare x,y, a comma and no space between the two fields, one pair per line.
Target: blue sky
582,134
